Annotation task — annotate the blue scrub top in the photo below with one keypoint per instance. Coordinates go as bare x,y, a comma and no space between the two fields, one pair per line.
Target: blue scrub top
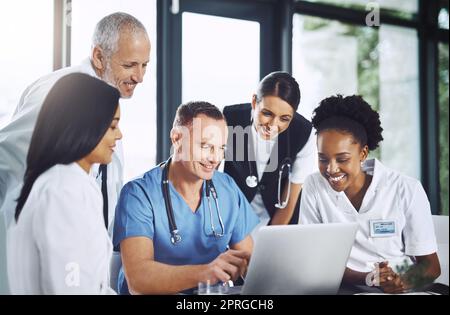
141,211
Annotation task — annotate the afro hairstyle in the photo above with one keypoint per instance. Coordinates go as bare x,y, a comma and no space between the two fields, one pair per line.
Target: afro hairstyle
351,114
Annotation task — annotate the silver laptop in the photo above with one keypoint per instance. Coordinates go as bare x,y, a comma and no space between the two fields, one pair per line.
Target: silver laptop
299,259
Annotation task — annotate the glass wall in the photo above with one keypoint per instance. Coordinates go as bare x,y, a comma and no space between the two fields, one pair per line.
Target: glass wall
399,8
443,15
381,64
223,70
26,53
138,121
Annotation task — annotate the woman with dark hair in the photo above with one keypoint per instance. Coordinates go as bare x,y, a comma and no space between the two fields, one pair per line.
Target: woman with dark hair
58,243
392,210
274,154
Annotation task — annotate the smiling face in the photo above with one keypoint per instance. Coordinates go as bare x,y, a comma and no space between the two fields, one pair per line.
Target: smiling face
102,153
340,157
201,148
125,68
271,116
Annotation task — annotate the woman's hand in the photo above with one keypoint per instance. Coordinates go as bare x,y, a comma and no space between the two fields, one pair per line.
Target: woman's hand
390,281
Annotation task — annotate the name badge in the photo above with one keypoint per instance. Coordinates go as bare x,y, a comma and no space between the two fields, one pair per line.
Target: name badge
382,228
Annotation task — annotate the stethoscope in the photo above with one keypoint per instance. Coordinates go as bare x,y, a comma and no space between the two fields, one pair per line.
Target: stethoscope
252,180
175,236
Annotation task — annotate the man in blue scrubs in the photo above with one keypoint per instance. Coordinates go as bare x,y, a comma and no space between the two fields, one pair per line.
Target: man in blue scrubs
208,250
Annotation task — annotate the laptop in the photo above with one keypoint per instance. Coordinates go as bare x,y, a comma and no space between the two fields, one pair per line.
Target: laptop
299,259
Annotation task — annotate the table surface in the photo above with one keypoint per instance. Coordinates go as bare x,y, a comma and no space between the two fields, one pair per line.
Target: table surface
433,289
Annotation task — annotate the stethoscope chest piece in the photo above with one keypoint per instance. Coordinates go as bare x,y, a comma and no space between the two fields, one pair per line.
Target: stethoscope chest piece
175,237
251,181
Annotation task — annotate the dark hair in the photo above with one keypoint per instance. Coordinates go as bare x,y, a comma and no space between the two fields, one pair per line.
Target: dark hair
349,114
280,84
74,117
188,111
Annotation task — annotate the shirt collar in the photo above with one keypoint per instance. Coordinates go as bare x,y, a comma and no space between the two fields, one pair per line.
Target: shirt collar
378,171
76,168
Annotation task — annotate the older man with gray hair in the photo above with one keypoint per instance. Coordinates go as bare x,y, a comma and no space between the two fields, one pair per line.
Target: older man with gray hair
120,55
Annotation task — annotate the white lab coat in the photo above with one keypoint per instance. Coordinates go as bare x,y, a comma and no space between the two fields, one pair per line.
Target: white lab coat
15,139
59,244
392,197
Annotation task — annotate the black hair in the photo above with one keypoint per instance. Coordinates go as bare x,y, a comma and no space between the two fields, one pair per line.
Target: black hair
282,85
74,117
188,111
351,114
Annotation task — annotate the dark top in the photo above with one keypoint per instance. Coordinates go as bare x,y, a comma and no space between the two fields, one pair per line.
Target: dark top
237,165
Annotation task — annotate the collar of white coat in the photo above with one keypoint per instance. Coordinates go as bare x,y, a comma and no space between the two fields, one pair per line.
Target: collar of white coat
372,167
78,169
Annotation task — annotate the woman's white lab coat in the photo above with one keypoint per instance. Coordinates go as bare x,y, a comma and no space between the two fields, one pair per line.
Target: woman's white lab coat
15,140
59,244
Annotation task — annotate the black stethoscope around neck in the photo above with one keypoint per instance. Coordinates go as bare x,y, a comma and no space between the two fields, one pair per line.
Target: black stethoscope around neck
175,236
252,181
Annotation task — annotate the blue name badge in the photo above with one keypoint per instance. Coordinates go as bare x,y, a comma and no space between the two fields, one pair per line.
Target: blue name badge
382,228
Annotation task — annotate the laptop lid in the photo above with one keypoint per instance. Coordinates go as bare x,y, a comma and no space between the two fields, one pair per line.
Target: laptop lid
299,259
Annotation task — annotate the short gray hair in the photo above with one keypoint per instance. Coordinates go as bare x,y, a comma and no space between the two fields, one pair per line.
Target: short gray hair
107,32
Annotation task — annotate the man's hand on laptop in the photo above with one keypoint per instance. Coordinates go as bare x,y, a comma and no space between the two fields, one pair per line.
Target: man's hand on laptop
230,265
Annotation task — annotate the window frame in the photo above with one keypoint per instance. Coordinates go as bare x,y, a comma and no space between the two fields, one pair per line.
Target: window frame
274,17
425,22
62,33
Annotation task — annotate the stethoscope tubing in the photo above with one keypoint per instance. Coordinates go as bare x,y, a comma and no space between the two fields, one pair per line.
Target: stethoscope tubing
252,181
175,236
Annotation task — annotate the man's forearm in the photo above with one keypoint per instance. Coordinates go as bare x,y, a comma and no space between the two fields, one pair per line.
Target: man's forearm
152,277
354,277
420,275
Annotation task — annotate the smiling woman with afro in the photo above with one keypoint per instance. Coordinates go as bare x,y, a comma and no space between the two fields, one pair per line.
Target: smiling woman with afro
391,209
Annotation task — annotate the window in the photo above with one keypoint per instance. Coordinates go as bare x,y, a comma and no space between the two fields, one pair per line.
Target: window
138,118
443,15
330,57
443,126
224,69
217,51
399,8
27,49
